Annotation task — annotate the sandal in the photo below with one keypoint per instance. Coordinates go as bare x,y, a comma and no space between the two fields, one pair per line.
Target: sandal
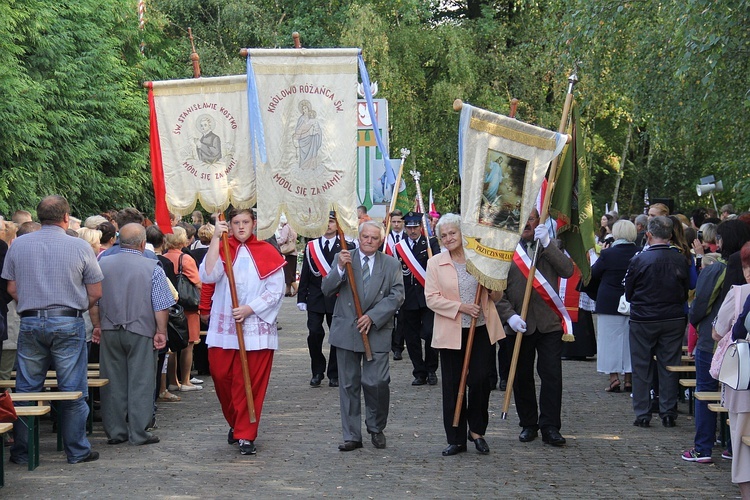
614,386
168,397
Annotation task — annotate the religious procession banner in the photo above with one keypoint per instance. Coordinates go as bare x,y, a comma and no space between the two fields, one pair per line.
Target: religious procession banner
502,163
199,145
303,112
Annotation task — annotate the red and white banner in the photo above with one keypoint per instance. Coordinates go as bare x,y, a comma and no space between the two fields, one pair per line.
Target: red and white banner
543,288
307,104
199,145
408,258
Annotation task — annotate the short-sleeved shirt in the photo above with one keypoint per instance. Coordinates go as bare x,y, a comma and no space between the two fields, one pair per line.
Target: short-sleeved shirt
51,270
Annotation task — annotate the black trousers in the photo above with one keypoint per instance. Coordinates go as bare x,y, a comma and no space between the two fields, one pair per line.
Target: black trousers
476,402
316,335
397,336
548,348
416,326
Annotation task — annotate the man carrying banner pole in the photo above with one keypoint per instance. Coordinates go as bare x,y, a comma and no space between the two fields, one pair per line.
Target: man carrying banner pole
540,309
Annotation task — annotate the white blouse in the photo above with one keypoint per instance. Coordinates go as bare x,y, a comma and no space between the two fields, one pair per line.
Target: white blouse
263,296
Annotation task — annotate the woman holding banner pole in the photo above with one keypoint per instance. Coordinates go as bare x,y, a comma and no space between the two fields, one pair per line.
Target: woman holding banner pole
450,291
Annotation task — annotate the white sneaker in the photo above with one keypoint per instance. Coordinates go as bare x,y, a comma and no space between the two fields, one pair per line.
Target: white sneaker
196,381
188,388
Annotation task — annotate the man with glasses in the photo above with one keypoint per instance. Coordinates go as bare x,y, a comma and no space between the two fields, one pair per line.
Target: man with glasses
542,332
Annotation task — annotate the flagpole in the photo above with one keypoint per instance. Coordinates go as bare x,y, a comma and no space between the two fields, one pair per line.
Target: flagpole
572,80
404,153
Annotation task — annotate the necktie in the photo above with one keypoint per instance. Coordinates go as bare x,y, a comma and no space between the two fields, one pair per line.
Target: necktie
326,247
365,273
398,238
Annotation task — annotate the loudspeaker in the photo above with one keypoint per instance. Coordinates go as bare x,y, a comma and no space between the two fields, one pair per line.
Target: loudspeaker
702,189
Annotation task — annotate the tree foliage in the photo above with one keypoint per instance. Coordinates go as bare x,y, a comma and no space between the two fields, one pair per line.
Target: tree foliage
672,71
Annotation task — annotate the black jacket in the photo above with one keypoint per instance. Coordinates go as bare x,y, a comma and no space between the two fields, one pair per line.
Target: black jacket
310,279
657,283
607,274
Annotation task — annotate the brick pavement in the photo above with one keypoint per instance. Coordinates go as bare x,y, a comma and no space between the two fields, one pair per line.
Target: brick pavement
606,457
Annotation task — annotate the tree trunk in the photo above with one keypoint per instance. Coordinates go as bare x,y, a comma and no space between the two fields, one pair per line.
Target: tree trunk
622,164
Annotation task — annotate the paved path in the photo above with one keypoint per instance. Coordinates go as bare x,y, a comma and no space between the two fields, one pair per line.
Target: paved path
606,457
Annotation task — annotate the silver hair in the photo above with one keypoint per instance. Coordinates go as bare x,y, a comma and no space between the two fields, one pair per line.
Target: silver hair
375,224
448,219
624,230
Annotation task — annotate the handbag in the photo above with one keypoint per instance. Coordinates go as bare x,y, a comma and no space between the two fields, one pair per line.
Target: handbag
721,348
7,410
177,329
290,245
189,295
735,368
624,306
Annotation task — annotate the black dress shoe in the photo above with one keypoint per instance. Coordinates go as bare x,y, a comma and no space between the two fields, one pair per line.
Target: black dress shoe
528,434
350,445
116,441
378,440
316,380
419,381
397,356
151,440
553,437
92,457
668,421
480,444
641,422
454,449
432,378
230,437
334,382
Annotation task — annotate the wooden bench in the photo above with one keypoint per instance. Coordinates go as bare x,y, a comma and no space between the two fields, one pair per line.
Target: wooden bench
717,408
689,384
708,396
51,383
681,368
51,397
3,429
30,416
746,440
53,374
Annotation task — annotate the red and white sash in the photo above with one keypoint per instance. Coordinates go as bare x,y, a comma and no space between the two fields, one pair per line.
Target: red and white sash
390,246
315,251
408,258
543,288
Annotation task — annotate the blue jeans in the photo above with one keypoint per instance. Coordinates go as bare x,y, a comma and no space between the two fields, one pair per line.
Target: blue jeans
705,419
58,342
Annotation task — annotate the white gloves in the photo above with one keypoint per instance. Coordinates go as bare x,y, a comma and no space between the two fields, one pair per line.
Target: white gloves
302,306
541,233
516,323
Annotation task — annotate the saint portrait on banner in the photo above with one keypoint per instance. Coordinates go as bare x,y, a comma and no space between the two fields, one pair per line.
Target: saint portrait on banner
502,191
307,136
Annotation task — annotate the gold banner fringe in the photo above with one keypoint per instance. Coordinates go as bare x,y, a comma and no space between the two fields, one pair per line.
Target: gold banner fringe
484,280
568,337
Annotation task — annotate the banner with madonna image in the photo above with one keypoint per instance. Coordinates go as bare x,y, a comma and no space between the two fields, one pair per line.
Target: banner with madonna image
502,163
199,145
303,114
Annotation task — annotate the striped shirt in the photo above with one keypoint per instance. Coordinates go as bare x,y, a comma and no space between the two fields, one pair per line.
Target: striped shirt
51,270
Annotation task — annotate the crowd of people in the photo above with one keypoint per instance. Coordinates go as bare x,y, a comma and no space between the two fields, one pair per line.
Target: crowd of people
659,281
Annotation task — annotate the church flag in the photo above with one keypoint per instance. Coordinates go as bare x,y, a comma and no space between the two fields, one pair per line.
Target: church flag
199,145
305,116
502,163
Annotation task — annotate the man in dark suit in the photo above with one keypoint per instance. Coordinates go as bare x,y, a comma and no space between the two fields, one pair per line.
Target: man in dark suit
542,332
381,292
319,255
415,319
392,239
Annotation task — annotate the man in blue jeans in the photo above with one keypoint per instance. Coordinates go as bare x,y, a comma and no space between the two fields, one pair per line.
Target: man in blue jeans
54,278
